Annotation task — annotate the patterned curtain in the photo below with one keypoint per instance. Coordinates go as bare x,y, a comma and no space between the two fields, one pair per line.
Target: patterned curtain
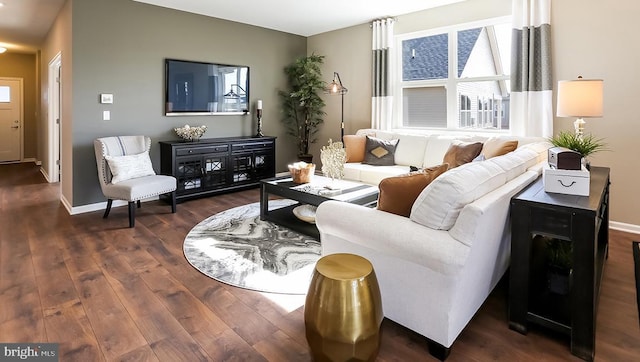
531,81
382,96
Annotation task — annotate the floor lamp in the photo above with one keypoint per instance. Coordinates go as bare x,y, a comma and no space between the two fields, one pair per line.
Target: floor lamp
334,88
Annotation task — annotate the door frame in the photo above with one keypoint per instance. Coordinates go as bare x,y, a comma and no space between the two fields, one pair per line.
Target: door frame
21,125
54,121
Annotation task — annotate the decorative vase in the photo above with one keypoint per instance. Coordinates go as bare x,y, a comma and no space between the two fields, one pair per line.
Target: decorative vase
302,172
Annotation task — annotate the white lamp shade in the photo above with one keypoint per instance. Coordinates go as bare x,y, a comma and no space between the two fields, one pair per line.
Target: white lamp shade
580,98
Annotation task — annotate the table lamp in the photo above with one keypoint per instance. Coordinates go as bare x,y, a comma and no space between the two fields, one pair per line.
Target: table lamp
580,98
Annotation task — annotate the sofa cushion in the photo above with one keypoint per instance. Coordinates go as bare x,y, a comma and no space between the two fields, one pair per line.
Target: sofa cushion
460,153
398,193
372,174
354,145
515,163
379,152
410,150
439,204
496,146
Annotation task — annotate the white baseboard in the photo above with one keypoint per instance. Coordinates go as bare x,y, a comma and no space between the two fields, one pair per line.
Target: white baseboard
98,206
45,174
629,228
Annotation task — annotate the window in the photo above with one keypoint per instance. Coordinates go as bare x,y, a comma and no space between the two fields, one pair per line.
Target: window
456,78
5,94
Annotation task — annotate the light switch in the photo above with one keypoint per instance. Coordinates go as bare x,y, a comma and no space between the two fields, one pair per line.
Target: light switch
106,115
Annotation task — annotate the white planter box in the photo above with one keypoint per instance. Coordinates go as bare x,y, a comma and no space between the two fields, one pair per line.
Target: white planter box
570,182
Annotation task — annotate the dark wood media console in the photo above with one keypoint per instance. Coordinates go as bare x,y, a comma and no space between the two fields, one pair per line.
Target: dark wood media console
215,165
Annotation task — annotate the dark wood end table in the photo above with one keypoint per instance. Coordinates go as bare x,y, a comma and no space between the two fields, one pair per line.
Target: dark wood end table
582,220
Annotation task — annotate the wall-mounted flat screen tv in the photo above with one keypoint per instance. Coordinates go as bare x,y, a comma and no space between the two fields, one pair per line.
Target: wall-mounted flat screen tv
198,88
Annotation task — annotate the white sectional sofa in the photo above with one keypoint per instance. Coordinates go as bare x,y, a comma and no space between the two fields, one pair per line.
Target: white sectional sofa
436,267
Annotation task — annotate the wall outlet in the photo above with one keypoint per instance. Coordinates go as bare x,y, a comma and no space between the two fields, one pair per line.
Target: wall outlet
106,115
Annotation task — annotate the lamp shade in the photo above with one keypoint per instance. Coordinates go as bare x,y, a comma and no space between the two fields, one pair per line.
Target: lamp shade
580,98
336,87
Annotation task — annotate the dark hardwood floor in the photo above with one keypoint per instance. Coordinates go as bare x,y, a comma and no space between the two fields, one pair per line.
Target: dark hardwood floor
107,292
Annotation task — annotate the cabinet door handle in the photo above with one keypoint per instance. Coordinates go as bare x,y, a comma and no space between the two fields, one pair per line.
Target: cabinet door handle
569,185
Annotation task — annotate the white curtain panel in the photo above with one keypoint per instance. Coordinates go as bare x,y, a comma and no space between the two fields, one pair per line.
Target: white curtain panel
383,75
531,80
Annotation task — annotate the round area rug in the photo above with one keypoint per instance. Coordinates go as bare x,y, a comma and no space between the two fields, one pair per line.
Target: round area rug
237,248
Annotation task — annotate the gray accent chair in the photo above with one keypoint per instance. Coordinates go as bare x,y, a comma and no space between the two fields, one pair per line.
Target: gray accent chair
135,189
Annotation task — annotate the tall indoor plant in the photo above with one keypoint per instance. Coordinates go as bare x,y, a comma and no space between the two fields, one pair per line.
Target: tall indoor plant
301,103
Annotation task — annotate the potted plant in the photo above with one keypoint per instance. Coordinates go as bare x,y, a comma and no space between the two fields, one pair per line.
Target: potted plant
559,262
302,105
585,145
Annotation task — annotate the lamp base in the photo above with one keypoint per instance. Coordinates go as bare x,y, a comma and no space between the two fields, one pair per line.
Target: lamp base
578,125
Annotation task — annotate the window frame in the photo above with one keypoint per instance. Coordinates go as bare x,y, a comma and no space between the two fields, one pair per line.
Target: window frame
453,110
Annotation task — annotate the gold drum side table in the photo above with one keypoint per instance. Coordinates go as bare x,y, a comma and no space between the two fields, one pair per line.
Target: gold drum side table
343,310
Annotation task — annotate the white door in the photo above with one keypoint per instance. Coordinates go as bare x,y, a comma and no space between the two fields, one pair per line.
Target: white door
10,119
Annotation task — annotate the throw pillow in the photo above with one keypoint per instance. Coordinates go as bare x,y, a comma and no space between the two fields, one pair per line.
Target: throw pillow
440,203
398,193
354,145
129,166
496,147
460,153
379,152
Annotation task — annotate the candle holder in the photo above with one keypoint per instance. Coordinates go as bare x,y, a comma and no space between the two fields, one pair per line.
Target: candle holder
259,115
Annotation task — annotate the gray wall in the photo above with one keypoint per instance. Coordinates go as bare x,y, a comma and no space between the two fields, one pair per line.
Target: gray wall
119,47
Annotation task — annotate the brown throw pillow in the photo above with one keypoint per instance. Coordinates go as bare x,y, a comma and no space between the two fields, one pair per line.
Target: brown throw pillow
460,153
354,145
497,147
398,193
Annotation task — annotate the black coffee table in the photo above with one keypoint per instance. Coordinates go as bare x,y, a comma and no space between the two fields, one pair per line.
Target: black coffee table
313,193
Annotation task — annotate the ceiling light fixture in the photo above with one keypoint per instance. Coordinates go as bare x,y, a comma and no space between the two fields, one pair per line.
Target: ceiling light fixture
2,50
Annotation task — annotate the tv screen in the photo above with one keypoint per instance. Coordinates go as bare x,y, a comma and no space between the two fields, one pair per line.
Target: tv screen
198,88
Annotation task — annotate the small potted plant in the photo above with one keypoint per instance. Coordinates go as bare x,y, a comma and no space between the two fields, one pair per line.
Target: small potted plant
585,145
559,258
301,103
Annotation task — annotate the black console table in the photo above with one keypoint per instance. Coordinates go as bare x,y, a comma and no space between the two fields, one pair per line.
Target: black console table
216,165
581,220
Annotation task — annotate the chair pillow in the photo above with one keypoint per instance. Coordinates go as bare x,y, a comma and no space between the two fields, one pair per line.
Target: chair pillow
379,152
355,146
460,153
129,166
398,193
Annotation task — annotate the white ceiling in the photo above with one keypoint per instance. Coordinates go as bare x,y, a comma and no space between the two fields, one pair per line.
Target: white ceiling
301,17
25,23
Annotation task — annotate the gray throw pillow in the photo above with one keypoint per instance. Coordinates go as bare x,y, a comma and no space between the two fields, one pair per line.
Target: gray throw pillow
379,152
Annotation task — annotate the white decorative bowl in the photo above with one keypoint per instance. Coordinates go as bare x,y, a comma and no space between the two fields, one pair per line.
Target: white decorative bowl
306,213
